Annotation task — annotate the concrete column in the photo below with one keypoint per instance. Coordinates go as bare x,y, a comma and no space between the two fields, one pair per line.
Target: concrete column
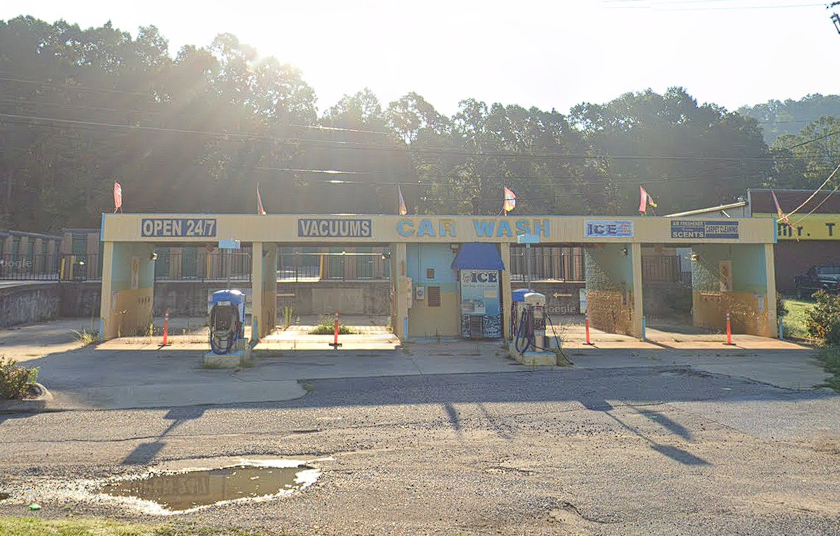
257,283
67,244
106,318
269,289
507,296
399,277
38,261
638,299
770,271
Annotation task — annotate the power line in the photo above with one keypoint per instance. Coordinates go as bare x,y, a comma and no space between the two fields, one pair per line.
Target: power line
673,6
363,146
806,142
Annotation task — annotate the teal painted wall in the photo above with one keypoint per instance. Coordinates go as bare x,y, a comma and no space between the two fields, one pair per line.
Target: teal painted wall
608,268
123,253
419,257
749,272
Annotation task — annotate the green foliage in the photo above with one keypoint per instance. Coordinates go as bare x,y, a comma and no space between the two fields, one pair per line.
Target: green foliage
823,321
781,307
15,380
830,357
779,118
327,327
216,120
805,159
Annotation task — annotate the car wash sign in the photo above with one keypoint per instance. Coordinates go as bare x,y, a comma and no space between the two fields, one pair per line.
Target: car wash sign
334,228
704,229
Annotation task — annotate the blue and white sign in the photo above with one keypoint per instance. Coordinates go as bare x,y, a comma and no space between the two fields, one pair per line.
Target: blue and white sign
527,239
334,228
704,229
229,244
608,228
178,227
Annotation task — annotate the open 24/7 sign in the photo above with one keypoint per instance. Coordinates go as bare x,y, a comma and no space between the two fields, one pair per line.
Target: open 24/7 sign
178,227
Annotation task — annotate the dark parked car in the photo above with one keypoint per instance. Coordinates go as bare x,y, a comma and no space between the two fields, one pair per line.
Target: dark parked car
825,278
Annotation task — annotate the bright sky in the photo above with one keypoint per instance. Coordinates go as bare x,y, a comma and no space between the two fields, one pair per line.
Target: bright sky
549,54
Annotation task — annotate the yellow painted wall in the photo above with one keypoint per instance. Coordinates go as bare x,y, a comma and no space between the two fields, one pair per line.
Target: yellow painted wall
443,321
131,311
748,312
611,311
808,227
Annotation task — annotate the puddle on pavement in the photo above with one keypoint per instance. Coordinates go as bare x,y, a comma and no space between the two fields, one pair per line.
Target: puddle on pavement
177,492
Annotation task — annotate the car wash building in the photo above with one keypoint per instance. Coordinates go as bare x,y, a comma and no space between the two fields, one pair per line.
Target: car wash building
450,275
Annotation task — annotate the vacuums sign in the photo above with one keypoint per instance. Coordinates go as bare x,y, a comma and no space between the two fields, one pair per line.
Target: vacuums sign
333,228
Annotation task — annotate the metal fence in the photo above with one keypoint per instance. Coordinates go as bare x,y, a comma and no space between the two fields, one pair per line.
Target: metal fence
336,266
199,264
548,263
663,269
29,267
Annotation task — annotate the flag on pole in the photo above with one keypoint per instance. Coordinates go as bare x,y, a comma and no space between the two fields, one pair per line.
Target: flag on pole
782,217
260,209
646,200
510,201
117,197
403,210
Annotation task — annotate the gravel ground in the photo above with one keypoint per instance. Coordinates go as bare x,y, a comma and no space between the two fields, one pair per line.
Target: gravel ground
631,451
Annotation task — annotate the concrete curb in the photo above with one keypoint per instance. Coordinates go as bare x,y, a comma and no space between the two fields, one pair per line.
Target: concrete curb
29,405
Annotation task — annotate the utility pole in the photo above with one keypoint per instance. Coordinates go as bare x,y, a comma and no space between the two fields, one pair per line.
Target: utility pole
835,18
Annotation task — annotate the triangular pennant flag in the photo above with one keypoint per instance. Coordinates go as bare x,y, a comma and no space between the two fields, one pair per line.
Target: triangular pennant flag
782,216
117,197
645,200
260,209
510,200
403,210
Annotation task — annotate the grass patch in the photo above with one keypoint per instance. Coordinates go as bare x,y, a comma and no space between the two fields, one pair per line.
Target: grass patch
30,526
794,322
327,327
830,357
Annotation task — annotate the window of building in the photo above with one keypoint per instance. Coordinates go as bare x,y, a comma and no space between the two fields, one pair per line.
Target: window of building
433,296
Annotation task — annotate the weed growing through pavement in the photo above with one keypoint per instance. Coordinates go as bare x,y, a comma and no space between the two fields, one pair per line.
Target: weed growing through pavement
86,337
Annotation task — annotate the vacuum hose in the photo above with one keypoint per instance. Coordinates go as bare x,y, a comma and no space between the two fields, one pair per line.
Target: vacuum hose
224,328
524,333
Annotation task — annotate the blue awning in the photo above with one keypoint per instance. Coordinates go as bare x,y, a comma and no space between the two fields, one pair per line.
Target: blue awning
475,256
